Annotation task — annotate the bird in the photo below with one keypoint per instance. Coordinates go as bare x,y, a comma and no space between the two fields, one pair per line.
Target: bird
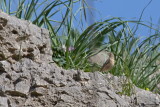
109,63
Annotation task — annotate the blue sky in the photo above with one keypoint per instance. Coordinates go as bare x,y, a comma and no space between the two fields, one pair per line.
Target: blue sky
128,9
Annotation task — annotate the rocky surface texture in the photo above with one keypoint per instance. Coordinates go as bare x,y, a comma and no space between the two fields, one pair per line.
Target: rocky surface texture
29,79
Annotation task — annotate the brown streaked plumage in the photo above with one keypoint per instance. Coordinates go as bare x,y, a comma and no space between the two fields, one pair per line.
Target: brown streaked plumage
108,65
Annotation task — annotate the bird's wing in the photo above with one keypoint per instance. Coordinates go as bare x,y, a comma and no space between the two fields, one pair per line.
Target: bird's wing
106,63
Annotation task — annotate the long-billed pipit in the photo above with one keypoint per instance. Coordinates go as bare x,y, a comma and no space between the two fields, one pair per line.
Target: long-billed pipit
108,65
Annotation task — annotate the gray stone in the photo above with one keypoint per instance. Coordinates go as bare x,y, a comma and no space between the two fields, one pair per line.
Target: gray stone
4,66
39,91
23,86
3,102
147,99
16,34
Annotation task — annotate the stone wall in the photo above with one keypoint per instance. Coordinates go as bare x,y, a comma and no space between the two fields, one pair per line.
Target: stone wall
28,79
